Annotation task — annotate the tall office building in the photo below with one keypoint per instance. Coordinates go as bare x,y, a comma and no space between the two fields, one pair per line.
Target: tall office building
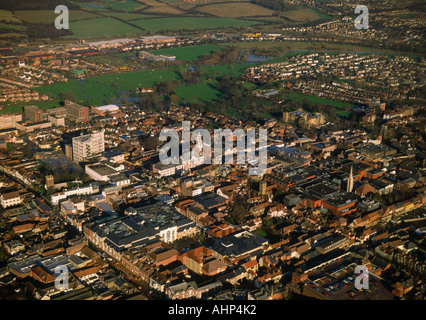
88,146
34,114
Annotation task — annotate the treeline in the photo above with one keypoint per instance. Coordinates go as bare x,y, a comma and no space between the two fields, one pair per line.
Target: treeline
38,31
228,55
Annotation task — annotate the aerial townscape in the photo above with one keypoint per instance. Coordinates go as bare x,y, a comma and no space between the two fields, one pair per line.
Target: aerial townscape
337,214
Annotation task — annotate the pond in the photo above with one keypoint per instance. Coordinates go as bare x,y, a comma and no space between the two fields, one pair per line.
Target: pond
252,58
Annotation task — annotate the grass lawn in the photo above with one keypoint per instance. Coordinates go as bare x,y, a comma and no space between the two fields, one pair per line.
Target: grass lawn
261,233
249,86
102,27
190,23
191,53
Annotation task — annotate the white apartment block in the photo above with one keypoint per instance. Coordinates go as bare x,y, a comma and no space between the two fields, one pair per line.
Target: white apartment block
10,199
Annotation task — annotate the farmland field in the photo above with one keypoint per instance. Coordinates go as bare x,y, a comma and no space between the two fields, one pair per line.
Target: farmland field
128,16
92,5
303,15
102,27
48,16
191,23
188,53
7,16
124,5
164,10
235,10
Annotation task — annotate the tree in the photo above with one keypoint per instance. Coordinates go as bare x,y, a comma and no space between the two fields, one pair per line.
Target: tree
68,95
149,142
239,208
148,101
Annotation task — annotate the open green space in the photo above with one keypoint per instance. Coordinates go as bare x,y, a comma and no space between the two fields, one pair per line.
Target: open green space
295,96
191,23
102,27
190,53
102,89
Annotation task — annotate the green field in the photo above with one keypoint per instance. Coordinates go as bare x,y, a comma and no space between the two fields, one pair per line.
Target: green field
191,53
101,89
20,107
344,114
128,16
198,93
124,5
295,96
190,23
102,27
